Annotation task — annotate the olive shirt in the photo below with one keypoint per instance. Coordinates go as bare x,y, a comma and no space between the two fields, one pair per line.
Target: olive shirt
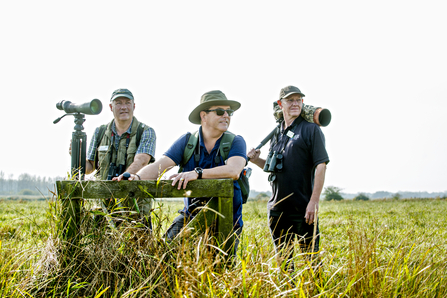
304,148
147,141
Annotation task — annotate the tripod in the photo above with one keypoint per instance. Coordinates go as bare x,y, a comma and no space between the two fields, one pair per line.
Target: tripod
78,145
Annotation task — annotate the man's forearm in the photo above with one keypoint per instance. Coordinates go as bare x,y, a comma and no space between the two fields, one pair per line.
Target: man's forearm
139,162
222,172
259,162
320,173
89,166
154,170
231,170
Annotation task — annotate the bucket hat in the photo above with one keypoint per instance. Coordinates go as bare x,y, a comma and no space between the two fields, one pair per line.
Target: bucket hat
209,99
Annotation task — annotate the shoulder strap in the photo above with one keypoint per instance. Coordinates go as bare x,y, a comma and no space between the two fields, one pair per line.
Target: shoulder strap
189,149
274,138
101,132
225,144
140,130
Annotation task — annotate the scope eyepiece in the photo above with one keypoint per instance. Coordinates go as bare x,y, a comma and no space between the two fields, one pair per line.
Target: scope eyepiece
93,107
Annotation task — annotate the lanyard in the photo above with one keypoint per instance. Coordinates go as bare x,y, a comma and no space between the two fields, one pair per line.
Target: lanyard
286,133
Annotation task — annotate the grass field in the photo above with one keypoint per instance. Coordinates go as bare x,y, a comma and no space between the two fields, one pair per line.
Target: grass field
369,249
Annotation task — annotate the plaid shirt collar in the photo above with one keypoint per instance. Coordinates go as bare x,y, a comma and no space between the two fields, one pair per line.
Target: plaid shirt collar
129,130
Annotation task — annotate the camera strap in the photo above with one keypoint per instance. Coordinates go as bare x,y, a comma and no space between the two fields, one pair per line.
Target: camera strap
127,146
113,146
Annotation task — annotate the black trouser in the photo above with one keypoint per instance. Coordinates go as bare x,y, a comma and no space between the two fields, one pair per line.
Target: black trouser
182,220
284,227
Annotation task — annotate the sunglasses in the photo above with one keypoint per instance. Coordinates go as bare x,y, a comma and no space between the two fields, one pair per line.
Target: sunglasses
220,111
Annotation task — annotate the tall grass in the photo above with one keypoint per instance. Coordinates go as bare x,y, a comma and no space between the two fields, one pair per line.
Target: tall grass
368,249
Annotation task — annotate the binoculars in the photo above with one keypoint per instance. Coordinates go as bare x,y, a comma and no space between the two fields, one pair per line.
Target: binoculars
115,170
274,162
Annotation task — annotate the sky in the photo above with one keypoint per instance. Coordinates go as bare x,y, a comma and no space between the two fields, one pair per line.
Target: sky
380,67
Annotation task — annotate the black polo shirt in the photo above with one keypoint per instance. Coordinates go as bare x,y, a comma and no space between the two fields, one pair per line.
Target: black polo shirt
303,147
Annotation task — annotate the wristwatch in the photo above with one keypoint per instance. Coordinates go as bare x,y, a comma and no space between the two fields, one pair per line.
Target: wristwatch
199,172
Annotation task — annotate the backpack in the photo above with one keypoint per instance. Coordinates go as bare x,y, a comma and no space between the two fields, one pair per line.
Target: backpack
101,132
224,150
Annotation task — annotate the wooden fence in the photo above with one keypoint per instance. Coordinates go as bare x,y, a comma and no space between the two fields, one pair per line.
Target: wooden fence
217,212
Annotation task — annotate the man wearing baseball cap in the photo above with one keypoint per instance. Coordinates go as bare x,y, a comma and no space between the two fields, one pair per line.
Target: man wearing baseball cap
118,145
297,167
213,114
124,144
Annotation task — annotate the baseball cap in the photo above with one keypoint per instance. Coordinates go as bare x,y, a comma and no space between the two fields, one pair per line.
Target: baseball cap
121,93
289,90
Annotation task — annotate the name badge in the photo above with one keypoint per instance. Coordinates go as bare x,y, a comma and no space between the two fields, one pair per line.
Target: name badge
290,134
103,148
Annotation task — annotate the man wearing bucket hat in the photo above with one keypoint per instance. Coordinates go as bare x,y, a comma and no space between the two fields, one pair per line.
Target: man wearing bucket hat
297,166
124,144
213,114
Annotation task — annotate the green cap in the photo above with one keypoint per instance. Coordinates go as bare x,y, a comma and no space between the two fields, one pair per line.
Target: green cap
121,93
209,99
289,90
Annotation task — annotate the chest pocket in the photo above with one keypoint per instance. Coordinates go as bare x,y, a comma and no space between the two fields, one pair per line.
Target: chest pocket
103,152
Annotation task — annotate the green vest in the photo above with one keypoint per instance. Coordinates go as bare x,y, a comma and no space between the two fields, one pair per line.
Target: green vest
108,153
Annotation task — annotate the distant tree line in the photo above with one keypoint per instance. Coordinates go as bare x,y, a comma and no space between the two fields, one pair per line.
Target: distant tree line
26,184
334,193
259,194
394,195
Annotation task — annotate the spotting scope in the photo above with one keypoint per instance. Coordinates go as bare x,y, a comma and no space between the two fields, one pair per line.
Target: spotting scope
93,107
78,137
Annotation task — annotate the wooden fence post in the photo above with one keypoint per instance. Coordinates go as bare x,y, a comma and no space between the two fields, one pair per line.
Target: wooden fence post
69,196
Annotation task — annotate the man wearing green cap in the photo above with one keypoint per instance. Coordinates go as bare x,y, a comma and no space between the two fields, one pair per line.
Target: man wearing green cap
214,115
297,166
118,147
124,144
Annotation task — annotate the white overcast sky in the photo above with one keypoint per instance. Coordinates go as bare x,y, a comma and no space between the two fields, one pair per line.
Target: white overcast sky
380,67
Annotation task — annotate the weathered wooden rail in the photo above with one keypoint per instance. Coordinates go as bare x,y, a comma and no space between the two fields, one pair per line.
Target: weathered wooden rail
218,211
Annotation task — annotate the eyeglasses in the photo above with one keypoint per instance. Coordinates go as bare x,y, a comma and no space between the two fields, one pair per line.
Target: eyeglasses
291,101
221,112
125,103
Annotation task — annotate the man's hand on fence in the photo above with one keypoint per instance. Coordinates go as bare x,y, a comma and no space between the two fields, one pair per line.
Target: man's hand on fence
133,177
183,178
